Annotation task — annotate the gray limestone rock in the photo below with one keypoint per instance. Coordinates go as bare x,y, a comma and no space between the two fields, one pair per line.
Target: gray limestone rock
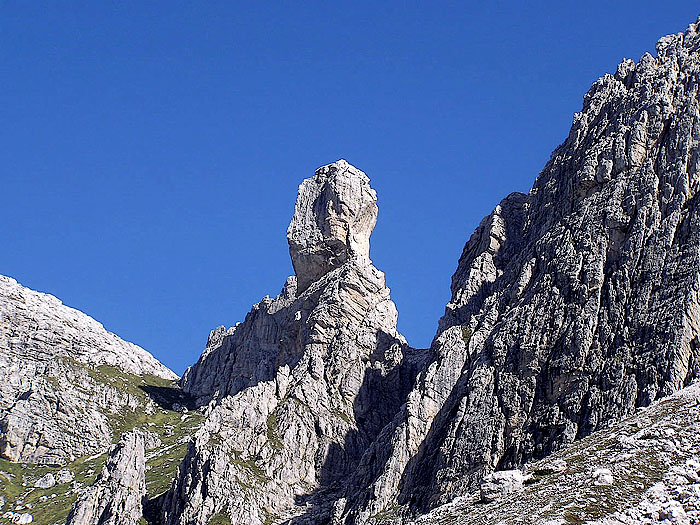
571,305
59,378
45,482
64,476
116,496
654,477
21,518
299,390
602,476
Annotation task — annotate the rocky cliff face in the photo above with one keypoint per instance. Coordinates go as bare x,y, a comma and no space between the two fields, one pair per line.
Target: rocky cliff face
571,306
60,375
302,387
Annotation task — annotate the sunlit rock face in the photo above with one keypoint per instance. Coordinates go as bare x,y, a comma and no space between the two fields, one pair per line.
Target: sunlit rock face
334,216
298,391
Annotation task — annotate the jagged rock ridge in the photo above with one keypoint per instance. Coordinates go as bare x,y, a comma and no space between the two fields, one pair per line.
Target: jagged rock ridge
571,306
302,387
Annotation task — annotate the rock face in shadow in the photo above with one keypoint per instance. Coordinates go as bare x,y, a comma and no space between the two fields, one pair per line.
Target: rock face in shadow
56,371
116,496
299,390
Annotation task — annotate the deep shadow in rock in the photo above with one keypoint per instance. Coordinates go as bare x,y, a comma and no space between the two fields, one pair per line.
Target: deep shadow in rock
378,401
169,397
152,508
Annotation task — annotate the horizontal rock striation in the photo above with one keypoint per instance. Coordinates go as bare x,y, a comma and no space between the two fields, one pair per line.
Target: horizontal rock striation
57,373
334,216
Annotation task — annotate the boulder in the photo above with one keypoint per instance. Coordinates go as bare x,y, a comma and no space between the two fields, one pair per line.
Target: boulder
498,484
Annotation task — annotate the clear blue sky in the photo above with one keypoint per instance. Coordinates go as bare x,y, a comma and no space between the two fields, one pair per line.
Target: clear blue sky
150,152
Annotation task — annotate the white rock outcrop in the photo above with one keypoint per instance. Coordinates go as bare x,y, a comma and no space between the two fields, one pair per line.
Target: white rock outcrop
45,482
602,476
496,485
116,496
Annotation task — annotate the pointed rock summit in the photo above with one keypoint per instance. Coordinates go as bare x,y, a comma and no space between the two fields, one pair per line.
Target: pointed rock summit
298,391
334,216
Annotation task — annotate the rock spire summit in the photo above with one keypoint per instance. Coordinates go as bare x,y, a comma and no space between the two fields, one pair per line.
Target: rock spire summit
334,216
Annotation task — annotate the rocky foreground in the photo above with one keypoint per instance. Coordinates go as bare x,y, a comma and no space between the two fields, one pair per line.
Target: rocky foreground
644,470
573,308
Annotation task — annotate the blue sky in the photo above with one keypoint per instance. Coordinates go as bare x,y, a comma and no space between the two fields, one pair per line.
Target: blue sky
150,152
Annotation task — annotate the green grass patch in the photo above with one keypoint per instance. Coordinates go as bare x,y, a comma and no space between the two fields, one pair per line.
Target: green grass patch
343,416
48,506
220,518
466,334
272,436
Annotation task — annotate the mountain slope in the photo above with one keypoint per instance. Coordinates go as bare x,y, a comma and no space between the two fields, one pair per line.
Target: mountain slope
68,390
571,306
52,402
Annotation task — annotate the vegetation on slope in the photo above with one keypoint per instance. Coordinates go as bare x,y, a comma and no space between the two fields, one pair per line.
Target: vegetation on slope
162,410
